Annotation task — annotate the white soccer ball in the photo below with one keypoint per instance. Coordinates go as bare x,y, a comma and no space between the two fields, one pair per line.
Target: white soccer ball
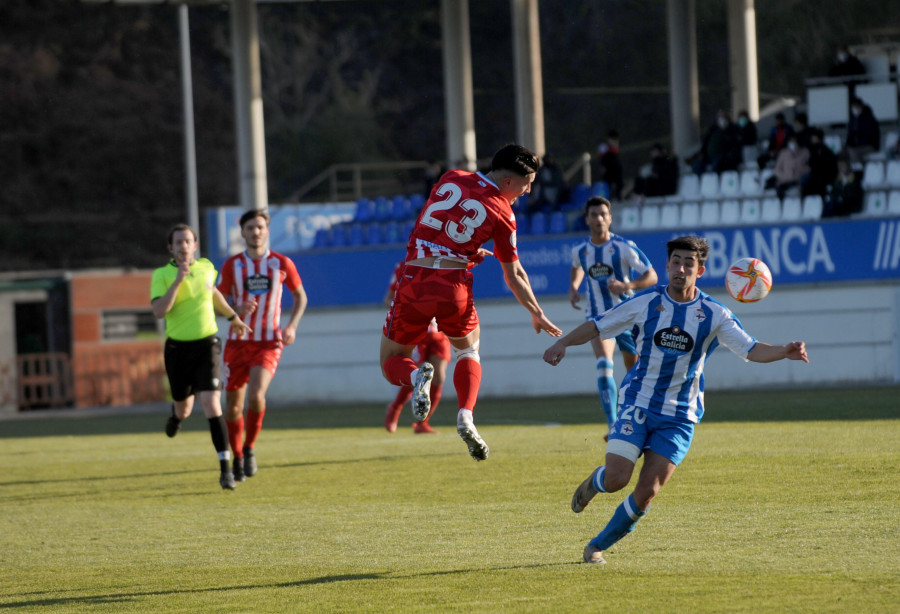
748,280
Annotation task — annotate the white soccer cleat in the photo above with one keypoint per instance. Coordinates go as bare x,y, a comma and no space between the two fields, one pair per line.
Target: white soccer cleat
477,448
421,399
594,555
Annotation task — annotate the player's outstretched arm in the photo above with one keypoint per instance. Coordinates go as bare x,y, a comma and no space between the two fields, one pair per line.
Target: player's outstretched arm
517,280
577,336
763,352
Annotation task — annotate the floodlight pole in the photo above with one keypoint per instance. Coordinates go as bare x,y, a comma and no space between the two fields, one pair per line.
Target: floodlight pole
187,92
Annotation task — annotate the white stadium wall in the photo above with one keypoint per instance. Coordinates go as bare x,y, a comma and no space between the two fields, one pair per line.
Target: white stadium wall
852,333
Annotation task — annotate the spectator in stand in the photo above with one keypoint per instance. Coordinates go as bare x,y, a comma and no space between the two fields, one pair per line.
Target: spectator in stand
549,189
822,166
609,167
801,129
846,64
721,150
863,133
846,194
792,164
659,177
778,138
747,137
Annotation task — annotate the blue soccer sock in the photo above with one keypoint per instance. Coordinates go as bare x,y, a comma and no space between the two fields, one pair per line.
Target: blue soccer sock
598,479
606,384
621,524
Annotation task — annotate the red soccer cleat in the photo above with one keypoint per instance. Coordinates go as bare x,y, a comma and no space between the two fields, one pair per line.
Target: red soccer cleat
422,427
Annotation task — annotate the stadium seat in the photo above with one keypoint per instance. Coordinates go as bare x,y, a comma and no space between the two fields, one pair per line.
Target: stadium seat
631,218
690,215
558,223
538,223
791,208
876,204
890,139
600,188
400,208
873,174
894,202
649,217
709,185
689,187
750,211
356,235
812,207
729,183
321,238
339,236
764,175
580,193
393,233
670,215
416,202
731,213
892,174
710,213
374,235
750,185
771,210
749,154
382,209
408,226
523,224
365,210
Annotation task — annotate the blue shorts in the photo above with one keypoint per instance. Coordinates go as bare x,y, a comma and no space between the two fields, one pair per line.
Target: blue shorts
625,341
637,430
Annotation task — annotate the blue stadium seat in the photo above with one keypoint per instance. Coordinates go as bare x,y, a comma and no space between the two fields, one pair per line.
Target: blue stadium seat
393,233
321,239
538,223
383,209
416,202
339,236
365,210
408,226
355,237
400,208
580,193
600,188
558,223
374,234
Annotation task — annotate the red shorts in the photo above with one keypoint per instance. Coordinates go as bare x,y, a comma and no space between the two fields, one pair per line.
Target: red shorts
435,344
241,356
423,294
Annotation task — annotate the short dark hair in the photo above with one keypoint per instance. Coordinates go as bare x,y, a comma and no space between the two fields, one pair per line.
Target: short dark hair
596,201
515,159
178,227
691,243
253,213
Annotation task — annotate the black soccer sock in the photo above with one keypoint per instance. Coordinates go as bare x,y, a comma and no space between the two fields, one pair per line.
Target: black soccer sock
219,431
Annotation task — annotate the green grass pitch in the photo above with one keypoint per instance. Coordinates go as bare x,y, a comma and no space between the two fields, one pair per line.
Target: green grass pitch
787,502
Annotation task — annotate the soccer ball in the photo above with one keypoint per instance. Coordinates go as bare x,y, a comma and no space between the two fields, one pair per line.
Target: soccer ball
748,280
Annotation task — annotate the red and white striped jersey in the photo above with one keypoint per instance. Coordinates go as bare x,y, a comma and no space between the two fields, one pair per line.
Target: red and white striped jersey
465,211
243,279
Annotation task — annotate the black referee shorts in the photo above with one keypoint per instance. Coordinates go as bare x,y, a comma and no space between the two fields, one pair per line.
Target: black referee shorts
193,366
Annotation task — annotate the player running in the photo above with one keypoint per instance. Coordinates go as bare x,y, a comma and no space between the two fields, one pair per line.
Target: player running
253,282
615,268
465,211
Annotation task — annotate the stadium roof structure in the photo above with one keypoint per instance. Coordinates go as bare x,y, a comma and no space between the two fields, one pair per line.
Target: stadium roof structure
458,90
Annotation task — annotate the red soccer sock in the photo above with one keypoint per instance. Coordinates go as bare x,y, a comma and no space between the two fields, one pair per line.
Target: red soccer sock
236,435
467,381
404,394
254,426
398,370
435,399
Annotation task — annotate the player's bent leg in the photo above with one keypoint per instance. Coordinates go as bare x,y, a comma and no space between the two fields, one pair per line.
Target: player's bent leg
654,474
396,364
621,524
620,462
421,397
467,380
210,400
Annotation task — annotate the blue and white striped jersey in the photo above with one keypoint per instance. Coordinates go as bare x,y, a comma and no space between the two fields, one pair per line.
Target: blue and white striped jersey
619,258
673,342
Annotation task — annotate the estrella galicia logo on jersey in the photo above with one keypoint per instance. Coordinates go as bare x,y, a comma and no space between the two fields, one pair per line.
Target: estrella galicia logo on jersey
673,341
258,284
600,271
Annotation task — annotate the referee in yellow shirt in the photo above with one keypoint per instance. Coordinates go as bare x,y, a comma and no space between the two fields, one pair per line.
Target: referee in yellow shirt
184,293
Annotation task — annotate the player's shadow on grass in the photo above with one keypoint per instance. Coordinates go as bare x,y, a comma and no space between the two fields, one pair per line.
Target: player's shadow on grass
123,598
